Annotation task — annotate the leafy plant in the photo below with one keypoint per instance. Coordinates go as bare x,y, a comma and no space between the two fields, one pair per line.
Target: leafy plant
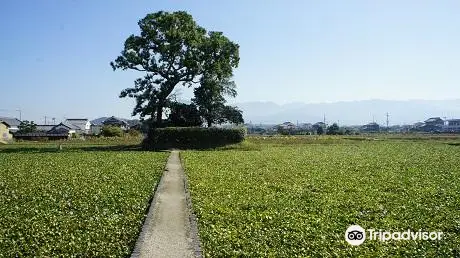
297,200
74,204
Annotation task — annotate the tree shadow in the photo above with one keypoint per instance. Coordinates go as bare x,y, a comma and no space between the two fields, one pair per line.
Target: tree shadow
29,150
67,148
134,147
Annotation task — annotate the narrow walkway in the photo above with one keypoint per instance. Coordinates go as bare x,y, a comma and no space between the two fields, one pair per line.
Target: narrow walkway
166,231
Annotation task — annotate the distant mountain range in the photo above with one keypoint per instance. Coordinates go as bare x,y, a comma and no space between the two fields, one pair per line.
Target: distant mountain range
350,112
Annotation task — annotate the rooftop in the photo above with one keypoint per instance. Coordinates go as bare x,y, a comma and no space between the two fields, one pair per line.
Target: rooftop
433,119
77,119
11,121
44,128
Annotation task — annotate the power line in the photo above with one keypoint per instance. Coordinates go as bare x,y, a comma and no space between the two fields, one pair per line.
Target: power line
9,110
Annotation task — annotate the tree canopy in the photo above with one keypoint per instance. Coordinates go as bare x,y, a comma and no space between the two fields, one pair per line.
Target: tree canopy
333,129
320,130
173,50
183,115
27,127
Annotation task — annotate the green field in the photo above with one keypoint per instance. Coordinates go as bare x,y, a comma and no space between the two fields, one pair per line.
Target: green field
84,201
287,197
269,196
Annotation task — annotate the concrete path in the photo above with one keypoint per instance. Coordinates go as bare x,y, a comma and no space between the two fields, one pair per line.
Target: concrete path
166,231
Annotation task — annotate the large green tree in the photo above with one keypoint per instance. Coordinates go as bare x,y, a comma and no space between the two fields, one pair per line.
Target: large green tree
220,57
172,50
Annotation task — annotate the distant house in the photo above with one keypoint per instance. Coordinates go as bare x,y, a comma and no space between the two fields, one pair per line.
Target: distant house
50,132
81,125
63,129
68,128
371,128
73,128
113,121
97,124
452,126
306,126
434,121
431,125
44,128
5,135
12,123
96,129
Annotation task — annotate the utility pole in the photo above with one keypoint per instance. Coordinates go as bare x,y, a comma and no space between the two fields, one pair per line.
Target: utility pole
9,110
388,121
324,119
45,119
20,114
54,121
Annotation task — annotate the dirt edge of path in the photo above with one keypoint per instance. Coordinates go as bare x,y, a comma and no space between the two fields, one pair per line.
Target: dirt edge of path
194,233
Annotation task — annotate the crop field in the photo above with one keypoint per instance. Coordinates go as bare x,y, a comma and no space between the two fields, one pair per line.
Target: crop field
75,202
287,200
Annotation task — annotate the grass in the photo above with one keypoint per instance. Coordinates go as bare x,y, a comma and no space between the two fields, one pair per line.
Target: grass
76,202
280,198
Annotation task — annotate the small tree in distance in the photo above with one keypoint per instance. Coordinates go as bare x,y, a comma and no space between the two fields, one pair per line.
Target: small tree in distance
27,127
333,129
320,130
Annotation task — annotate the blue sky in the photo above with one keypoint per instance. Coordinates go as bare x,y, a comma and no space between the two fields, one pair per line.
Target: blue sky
55,54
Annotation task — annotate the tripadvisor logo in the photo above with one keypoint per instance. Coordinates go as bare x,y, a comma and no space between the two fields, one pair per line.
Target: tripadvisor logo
355,235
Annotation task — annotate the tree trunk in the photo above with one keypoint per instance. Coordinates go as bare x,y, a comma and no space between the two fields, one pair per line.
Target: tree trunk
209,123
159,114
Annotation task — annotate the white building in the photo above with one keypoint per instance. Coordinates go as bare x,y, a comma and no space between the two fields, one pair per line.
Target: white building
82,125
452,125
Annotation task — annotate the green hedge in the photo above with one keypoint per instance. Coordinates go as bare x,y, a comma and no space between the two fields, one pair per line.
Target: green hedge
192,137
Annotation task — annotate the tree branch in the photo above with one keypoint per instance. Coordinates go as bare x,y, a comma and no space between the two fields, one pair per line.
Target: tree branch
138,69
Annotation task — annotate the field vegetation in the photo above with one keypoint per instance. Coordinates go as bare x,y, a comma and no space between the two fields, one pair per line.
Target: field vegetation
84,200
267,196
296,196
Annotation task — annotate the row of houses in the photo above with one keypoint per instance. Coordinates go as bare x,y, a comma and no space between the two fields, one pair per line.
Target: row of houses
438,125
431,125
9,128
307,127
